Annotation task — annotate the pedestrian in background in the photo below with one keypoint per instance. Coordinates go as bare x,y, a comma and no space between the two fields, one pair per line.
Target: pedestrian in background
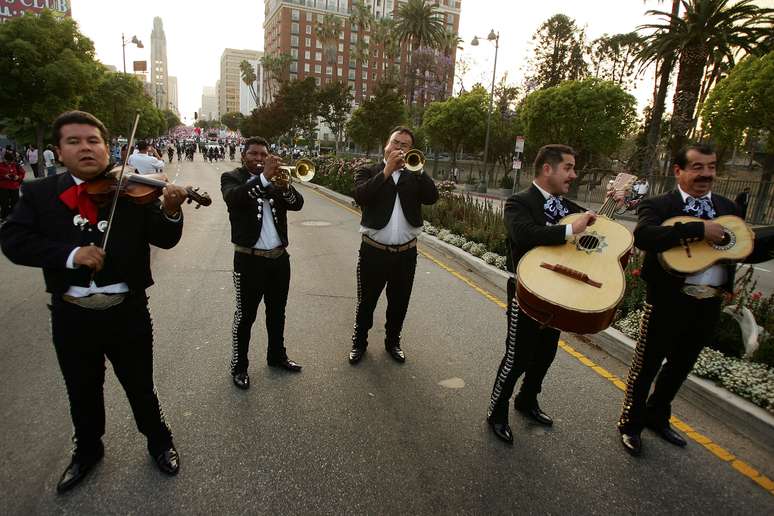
32,159
11,177
49,159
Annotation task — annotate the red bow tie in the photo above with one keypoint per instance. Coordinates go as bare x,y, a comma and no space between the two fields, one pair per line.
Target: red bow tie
76,197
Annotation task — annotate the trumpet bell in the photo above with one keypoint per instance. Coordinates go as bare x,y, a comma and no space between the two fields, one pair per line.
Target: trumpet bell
415,160
303,170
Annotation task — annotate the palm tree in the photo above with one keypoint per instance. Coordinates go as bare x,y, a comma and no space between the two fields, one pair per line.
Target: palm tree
418,24
328,33
362,18
707,30
385,44
249,78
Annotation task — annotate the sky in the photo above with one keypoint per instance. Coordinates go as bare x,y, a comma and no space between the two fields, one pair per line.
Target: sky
197,32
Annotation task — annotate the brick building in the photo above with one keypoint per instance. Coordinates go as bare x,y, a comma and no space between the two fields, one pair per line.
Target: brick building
290,28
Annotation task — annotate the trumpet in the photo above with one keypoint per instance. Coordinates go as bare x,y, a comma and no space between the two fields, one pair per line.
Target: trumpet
302,170
415,161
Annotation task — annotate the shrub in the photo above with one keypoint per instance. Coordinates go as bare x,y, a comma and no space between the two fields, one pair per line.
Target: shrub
506,182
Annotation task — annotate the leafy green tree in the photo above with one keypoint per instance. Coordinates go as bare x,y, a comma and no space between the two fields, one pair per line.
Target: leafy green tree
385,46
592,116
302,107
48,67
371,122
708,32
116,99
269,121
743,103
233,120
335,102
328,34
207,124
457,121
361,19
171,119
249,77
558,53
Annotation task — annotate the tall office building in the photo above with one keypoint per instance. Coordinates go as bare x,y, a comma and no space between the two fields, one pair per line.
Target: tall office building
289,28
231,77
173,106
159,75
209,106
246,100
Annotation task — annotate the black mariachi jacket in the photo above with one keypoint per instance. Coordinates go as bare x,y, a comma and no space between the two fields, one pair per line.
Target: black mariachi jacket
525,222
42,232
376,195
248,202
653,238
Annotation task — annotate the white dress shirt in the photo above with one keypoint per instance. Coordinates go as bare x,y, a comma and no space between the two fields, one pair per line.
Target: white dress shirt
715,276
567,227
269,238
398,231
145,163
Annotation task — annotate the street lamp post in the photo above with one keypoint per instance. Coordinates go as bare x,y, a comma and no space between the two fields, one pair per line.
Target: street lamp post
493,36
124,43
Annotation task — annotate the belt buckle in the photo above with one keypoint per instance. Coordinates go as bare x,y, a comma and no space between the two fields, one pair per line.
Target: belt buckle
700,291
96,301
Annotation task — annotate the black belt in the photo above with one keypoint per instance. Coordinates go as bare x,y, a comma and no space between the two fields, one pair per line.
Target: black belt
391,248
265,253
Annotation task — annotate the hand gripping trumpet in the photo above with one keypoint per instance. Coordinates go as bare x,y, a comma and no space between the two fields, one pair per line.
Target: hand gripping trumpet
302,170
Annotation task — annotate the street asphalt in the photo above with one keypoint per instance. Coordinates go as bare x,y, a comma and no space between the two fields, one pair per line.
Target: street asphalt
375,438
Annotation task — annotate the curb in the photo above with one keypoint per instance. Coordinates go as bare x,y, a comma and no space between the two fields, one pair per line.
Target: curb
747,418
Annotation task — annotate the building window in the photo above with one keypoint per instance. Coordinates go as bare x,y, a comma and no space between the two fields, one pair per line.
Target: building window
308,29
294,66
294,28
293,41
340,71
317,81
294,53
295,15
306,67
319,18
308,42
352,63
328,70
365,76
352,75
341,47
353,38
293,76
309,17
317,68
318,56
318,43
307,55
340,59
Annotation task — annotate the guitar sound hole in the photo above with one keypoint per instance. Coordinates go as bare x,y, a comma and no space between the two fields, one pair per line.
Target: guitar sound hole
729,241
588,242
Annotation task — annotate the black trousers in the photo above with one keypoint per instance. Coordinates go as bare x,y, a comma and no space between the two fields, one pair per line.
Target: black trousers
529,349
123,334
256,278
674,327
375,270
8,199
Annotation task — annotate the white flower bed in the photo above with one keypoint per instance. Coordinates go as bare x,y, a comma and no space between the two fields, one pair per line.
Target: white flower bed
750,380
474,248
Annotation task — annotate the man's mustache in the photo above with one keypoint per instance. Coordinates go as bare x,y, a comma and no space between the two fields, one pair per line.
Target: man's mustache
703,179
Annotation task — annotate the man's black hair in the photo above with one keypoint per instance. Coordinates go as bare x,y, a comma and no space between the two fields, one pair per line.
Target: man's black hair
78,117
255,140
552,154
681,158
402,130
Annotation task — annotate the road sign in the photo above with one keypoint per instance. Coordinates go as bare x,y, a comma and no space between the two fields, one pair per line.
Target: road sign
519,144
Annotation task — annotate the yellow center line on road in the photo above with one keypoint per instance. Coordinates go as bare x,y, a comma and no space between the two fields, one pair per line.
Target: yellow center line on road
721,453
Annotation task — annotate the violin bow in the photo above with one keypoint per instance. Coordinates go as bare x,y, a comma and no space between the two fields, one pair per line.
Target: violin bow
118,183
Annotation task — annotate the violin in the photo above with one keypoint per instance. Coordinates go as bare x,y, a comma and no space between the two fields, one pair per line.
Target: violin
139,188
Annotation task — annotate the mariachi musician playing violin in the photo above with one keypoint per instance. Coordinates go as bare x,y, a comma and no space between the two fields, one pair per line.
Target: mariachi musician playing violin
98,302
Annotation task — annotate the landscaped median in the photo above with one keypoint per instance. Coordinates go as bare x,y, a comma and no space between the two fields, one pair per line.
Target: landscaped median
473,230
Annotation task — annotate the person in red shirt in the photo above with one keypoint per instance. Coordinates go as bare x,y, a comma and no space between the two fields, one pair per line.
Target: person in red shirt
11,177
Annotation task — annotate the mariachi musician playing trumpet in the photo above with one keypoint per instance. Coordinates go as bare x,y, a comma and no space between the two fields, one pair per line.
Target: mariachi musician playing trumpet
391,195
681,311
258,196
